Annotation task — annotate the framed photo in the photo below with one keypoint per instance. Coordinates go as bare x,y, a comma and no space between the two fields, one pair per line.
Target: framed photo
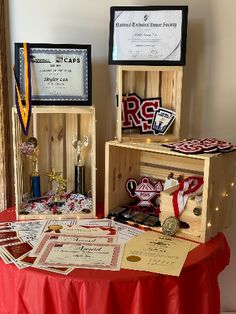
148,35
60,74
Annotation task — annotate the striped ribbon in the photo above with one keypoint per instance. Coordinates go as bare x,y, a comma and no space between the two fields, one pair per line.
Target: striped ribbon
23,105
191,186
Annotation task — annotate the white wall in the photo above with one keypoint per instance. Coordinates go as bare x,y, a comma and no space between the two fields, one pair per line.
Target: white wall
209,81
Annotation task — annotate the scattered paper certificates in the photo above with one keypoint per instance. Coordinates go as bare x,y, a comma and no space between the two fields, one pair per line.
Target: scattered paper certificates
62,245
156,252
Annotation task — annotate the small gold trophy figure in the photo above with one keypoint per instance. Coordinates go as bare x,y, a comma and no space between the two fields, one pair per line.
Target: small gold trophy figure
61,186
80,145
31,150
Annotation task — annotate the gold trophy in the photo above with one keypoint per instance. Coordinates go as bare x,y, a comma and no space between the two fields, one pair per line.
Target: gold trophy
80,145
61,186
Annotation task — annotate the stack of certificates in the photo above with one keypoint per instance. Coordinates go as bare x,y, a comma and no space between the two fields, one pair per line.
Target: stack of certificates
62,245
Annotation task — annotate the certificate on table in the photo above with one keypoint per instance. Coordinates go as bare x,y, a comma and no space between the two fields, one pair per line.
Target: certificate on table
126,232
27,261
16,250
81,255
6,242
86,226
148,35
81,230
69,238
7,234
157,253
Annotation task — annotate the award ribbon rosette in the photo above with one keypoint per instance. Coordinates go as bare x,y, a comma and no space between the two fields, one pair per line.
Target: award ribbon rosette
23,104
191,186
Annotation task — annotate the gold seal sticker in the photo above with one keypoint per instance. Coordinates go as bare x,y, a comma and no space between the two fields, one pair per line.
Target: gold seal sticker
55,228
170,226
133,258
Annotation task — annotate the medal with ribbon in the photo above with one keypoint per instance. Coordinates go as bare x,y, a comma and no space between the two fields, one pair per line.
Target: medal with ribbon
189,187
23,103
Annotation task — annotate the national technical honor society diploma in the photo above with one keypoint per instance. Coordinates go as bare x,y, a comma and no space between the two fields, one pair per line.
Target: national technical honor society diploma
147,35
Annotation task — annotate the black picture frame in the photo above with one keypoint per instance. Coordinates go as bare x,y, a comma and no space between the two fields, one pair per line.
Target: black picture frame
61,74
116,52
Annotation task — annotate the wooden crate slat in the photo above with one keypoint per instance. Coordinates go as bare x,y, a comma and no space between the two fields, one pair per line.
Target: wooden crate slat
85,129
118,173
167,83
173,162
71,130
43,128
119,84
129,82
153,84
161,174
56,135
17,161
140,84
149,68
220,194
177,98
139,138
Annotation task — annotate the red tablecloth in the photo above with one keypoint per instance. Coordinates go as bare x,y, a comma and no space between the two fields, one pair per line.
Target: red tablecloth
196,291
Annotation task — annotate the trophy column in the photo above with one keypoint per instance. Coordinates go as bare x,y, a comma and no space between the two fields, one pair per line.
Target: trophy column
79,179
35,178
35,185
79,168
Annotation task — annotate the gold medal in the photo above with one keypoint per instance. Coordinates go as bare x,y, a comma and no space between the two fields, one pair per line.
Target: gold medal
170,226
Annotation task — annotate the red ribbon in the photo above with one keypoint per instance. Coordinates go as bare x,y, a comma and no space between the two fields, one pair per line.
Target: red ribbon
191,186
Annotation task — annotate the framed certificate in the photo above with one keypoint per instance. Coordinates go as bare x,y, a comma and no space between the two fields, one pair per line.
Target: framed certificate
60,74
148,35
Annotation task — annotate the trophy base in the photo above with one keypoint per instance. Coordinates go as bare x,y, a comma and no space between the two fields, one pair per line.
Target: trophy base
35,199
56,203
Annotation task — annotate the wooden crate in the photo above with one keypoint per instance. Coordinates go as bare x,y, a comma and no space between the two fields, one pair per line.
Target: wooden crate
150,82
135,160
54,128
